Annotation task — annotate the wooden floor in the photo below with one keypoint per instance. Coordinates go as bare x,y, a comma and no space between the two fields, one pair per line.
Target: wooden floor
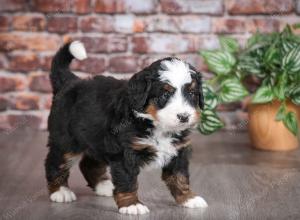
236,181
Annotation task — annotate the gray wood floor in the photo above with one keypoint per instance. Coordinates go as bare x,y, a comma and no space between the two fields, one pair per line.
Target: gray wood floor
236,181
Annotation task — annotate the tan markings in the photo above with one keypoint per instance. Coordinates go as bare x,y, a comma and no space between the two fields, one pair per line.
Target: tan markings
182,144
169,88
152,110
198,114
179,187
70,160
193,85
139,146
58,182
126,199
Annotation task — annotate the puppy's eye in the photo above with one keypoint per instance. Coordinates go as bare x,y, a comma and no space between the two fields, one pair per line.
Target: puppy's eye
192,92
168,88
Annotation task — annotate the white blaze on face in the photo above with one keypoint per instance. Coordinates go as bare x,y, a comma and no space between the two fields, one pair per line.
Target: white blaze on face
177,74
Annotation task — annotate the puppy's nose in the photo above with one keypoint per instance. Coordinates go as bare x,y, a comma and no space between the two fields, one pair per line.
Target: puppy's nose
183,118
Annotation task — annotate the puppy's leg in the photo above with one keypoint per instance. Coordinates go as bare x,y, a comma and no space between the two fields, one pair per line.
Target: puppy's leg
96,174
57,167
125,192
176,177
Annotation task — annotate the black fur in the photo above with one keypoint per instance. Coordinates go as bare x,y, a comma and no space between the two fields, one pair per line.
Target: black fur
96,118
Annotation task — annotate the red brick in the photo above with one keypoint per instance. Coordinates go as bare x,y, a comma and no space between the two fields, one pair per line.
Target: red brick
25,101
13,5
29,22
17,121
40,42
263,25
138,26
141,7
40,82
228,25
194,24
3,61
124,23
162,23
23,62
47,101
93,65
214,7
164,43
82,6
4,23
62,24
4,103
45,61
123,64
11,83
140,44
105,44
96,23
109,6
236,7
52,5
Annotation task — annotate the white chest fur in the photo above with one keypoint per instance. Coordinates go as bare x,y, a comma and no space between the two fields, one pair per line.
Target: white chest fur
164,147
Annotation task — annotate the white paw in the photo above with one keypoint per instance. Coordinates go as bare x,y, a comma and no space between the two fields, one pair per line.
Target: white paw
104,188
64,194
138,209
196,202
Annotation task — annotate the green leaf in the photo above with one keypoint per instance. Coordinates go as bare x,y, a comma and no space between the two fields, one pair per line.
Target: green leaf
210,98
295,95
281,112
271,57
280,89
263,94
219,62
291,61
290,121
229,44
232,90
210,122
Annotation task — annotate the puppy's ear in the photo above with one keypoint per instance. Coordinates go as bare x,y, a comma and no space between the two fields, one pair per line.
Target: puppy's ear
198,78
138,89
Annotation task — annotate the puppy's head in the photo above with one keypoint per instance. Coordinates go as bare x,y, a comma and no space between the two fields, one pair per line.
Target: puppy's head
168,92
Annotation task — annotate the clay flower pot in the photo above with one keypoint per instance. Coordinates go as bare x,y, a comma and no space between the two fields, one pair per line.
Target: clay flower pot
268,134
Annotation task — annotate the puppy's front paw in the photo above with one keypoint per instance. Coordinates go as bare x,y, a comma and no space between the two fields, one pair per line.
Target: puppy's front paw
137,209
64,194
195,202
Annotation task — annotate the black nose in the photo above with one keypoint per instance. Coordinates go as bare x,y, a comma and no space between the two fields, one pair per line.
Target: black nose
183,117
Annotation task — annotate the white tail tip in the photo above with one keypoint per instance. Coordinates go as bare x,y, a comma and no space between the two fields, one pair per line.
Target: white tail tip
77,49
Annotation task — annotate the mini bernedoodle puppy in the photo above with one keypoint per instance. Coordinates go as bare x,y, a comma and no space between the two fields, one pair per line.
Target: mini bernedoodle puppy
116,127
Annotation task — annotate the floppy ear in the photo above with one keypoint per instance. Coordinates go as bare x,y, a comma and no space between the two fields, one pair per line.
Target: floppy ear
138,89
199,81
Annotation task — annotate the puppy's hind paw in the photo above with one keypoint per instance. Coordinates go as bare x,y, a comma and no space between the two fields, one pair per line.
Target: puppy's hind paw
137,209
104,188
64,194
196,202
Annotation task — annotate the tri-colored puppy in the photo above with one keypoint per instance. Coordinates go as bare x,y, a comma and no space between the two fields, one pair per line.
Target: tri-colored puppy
117,127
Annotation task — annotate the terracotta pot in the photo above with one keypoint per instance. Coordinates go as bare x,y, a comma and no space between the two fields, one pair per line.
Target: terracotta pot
268,134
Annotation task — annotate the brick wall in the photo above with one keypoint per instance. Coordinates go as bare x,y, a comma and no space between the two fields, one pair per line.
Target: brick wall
121,36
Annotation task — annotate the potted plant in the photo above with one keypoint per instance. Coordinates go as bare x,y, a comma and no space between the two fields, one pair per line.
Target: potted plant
274,60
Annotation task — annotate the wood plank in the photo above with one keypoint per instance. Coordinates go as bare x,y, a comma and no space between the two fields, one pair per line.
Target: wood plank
236,181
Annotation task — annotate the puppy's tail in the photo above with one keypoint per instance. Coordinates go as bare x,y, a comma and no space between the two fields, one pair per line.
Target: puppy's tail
60,72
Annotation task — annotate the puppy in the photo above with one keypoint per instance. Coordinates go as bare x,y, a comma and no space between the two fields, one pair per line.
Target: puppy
116,127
